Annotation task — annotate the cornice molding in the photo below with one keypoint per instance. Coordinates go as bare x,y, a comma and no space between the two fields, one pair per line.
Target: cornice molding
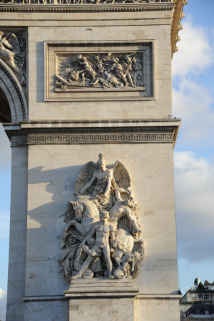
93,132
97,121
86,8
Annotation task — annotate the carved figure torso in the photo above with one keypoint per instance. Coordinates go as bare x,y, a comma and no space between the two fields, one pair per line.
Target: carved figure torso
102,181
102,235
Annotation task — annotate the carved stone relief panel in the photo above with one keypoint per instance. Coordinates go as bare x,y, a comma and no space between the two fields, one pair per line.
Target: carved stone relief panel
99,71
13,52
102,237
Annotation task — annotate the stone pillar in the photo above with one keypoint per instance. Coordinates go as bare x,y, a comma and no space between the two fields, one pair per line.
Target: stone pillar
18,220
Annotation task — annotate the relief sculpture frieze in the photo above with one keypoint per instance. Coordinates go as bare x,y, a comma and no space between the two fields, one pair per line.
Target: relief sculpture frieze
104,71
102,238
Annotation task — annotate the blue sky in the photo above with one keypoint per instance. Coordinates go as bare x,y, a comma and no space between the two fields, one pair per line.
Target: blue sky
193,101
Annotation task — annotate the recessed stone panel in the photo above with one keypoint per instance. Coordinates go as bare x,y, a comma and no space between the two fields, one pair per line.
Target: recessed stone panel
99,71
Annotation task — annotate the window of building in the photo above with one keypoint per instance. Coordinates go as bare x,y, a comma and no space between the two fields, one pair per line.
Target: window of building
204,296
197,312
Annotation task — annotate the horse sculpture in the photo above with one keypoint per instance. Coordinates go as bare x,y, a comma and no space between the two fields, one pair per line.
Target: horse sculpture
85,213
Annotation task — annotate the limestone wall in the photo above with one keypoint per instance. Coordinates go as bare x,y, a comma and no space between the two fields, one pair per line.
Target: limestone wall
52,172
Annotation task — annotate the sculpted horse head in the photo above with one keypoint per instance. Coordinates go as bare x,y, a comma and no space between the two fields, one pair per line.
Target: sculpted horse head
85,211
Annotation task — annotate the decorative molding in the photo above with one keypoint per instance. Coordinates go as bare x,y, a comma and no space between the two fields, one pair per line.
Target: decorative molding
19,141
83,295
100,295
17,87
98,138
110,122
157,298
104,295
178,14
113,7
44,298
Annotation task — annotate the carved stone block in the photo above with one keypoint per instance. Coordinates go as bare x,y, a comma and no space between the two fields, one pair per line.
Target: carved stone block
99,71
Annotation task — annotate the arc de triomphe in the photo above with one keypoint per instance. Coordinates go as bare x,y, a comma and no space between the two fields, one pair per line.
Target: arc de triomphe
85,99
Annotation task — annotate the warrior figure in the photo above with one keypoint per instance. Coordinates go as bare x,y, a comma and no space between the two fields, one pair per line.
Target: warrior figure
137,72
88,68
102,231
124,207
127,66
119,70
73,75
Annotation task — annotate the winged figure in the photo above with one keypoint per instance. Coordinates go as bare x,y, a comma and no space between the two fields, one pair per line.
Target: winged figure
10,52
101,238
102,180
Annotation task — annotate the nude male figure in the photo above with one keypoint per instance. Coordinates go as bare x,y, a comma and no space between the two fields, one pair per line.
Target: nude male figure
102,231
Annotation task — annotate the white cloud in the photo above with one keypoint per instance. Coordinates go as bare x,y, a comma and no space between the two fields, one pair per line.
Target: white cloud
2,293
3,300
195,53
5,154
5,223
192,103
194,187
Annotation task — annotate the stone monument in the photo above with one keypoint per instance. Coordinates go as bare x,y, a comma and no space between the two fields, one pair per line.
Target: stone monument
85,99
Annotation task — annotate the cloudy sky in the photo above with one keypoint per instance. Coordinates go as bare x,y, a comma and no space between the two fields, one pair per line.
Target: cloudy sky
193,101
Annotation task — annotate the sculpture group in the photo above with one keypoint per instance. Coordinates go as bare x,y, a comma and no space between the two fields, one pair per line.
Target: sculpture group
103,234
12,51
100,71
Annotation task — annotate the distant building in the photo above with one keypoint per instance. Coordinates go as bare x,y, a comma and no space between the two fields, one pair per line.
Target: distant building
200,310
196,295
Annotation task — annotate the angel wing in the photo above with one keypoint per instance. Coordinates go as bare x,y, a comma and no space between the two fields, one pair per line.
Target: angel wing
84,176
14,42
121,175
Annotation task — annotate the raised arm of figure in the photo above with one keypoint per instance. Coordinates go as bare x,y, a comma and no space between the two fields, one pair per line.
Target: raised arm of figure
108,186
7,44
82,191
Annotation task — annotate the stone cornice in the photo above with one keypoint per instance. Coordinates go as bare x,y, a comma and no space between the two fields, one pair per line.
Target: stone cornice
93,132
108,123
105,295
115,7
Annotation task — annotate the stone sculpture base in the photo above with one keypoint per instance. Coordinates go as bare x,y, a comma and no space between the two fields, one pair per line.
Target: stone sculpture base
101,299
